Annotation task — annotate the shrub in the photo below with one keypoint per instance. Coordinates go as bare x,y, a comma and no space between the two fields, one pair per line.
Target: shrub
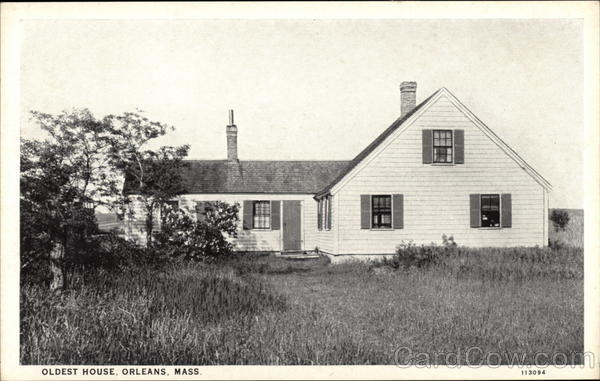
201,239
555,244
107,252
40,231
410,255
560,219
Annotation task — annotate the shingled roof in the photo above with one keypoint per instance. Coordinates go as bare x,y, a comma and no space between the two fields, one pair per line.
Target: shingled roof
294,177
297,177
231,176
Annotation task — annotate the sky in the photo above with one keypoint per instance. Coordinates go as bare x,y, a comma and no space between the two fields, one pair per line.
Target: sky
316,89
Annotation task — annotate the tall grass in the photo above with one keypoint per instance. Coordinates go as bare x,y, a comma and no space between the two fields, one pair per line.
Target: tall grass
515,264
133,317
266,310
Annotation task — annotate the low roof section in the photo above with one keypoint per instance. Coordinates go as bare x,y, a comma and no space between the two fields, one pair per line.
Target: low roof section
233,176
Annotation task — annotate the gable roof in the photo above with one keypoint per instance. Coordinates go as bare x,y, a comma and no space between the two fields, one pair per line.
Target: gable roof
402,121
374,144
224,176
310,177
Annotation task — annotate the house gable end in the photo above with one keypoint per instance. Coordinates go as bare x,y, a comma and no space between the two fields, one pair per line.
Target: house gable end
359,163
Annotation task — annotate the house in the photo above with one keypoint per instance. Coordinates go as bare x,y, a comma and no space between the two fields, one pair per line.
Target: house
436,170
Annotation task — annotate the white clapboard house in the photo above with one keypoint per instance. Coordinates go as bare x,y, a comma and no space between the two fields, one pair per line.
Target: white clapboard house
436,170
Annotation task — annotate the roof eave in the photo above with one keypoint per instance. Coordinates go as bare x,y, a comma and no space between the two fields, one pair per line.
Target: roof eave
375,143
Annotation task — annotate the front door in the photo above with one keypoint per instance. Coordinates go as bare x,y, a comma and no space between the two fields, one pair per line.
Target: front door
291,225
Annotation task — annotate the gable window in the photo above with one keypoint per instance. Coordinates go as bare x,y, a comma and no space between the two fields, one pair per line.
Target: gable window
261,215
490,210
381,211
442,146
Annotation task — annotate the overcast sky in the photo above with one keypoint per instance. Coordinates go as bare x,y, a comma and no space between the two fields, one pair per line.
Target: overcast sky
319,89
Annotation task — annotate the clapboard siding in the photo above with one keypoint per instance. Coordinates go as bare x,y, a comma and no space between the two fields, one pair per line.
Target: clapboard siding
134,221
314,238
326,240
247,240
436,197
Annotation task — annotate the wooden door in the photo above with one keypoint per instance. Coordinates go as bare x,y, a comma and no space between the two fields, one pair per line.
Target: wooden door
292,229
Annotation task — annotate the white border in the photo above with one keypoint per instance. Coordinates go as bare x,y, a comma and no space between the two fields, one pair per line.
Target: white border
13,14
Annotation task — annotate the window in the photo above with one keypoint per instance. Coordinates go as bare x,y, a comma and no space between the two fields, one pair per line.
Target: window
381,211
262,215
490,210
324,213
442,146
320,214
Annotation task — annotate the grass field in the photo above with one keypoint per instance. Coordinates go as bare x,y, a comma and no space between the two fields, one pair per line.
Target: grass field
268,310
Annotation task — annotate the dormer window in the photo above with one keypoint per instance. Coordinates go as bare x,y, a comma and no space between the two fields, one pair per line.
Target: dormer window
442,146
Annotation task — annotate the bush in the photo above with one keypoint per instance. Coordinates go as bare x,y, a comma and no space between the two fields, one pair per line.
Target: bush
491,263
560,219
555,244
39,232
410,255
201,239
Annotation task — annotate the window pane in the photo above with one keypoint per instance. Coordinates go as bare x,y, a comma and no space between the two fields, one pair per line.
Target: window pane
262,215
490,218
381,211
490,202
490,210
495,202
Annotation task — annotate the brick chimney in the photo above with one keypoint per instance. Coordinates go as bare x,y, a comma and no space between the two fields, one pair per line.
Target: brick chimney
231,138
408,93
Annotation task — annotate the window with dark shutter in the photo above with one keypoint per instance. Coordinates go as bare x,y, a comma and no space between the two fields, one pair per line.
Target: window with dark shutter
490,210
381,211
262,215
442,146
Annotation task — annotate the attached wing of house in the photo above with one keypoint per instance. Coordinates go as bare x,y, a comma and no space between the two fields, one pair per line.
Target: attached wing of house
436,170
